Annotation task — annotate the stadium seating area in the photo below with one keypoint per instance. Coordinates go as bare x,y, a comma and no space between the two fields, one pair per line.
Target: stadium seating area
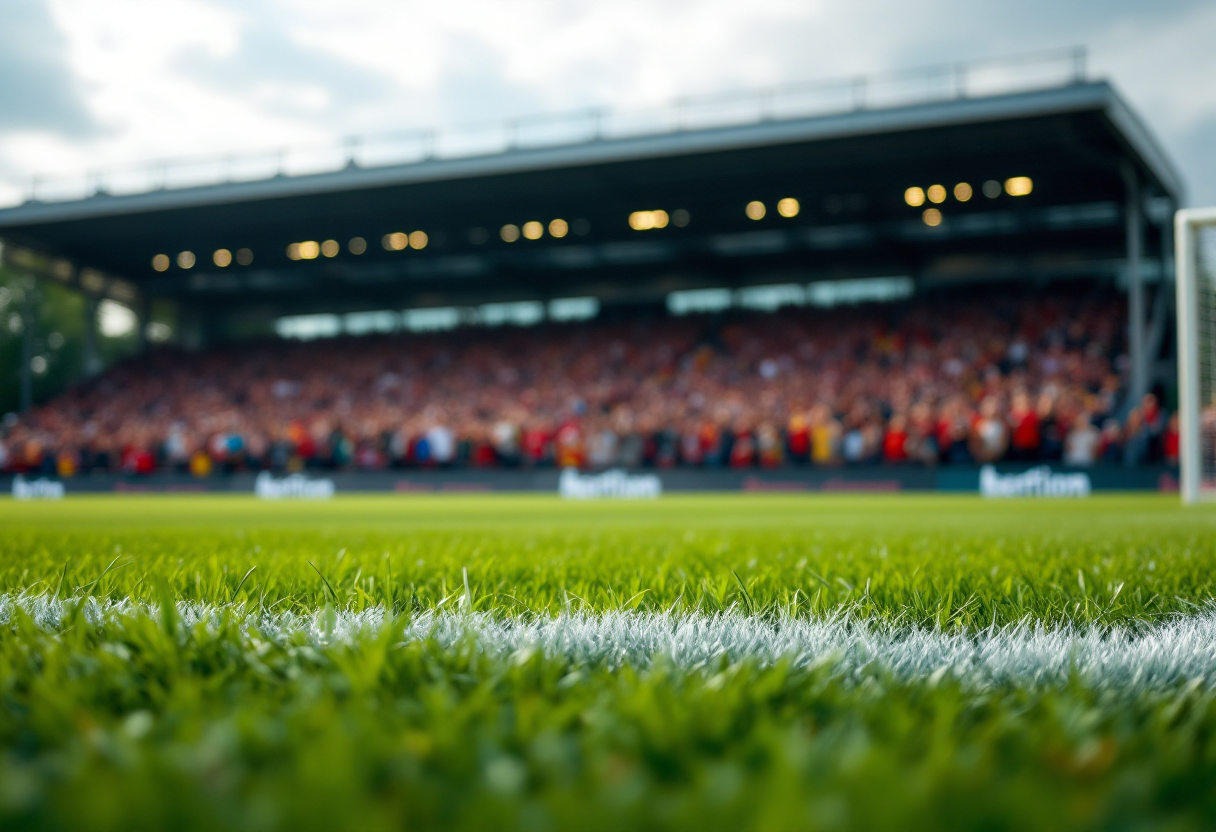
974,377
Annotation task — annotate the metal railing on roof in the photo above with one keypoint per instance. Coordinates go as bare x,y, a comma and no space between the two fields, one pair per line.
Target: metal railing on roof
906,87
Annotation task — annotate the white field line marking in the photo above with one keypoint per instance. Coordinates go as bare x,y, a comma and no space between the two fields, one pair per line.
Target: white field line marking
1180,649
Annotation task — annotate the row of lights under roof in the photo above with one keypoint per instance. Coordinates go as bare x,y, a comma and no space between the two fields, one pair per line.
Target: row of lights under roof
658,218
311,249
222,257
638,221
394,241
400,241
932,217
1014,186
788,208
305,250
755,210
533,230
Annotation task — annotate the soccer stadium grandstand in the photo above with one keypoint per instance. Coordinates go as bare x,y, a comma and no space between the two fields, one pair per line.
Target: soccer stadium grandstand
976,272
978,378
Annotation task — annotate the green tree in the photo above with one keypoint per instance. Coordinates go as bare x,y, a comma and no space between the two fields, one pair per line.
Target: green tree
58,338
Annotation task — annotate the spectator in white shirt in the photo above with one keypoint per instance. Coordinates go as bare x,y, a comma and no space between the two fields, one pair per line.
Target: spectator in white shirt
1083,443
443,444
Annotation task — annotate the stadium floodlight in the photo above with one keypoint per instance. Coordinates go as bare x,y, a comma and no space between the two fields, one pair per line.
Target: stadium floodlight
1195,256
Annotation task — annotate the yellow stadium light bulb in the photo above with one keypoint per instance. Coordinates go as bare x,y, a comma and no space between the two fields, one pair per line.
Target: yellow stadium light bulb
293,251
936,194
222,257
509,233
244,256
418,240
185,260
932,217
558,228
357,245
755,210
330,248
962,192
641,220
1018,186
533,230
915,196
397,241
161,262
660,218
788,207
309,249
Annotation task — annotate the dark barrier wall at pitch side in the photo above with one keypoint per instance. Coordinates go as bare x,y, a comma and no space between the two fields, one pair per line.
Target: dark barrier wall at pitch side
1010,480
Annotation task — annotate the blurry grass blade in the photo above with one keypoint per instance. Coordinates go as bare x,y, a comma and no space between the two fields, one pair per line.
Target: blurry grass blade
747,596
332,595
236,591
89,587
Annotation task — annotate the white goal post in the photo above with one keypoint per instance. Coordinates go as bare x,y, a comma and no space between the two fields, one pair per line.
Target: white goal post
1195,259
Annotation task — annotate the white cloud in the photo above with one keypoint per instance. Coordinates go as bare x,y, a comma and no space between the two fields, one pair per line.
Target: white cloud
1167,66
179,77
560,54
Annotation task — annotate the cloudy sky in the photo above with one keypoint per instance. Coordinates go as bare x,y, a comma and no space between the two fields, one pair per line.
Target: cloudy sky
89,83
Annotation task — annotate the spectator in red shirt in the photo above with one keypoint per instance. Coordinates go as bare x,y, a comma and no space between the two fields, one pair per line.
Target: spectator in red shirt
743,451
799,438
1170,442
1024,428
537,445
895,441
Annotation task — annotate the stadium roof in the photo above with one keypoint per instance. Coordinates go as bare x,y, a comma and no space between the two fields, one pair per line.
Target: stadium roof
849,171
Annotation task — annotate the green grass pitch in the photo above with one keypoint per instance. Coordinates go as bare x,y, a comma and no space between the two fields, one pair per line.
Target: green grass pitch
518,662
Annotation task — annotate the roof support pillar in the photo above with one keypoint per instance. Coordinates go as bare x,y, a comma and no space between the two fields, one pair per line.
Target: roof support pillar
28,322
1166,371
143,313
1134,233
91,353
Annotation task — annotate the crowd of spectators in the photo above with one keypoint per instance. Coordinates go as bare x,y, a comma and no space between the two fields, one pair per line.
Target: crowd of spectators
965,379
